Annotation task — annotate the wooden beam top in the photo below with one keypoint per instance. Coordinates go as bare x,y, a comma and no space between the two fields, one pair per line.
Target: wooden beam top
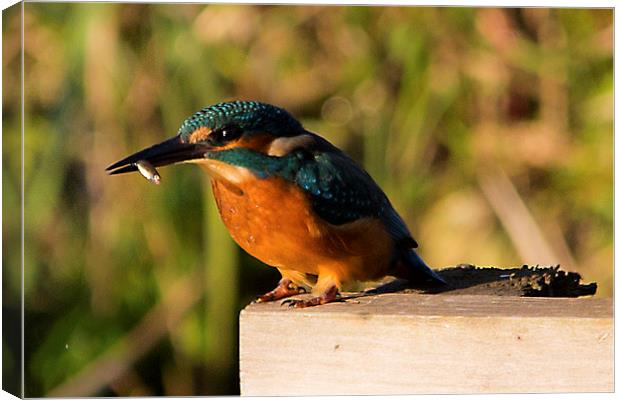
449,305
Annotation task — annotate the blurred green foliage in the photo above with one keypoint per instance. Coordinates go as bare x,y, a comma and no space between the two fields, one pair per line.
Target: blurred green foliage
490,130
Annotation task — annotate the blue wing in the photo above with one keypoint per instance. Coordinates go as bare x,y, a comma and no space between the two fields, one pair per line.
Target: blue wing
341,192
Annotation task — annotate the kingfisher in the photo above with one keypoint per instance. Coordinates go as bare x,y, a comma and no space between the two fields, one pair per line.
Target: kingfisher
292,200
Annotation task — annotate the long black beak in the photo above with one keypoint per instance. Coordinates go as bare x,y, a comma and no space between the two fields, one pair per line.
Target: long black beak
167,152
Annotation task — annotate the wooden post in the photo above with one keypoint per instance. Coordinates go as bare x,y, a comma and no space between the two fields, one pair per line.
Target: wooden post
404,343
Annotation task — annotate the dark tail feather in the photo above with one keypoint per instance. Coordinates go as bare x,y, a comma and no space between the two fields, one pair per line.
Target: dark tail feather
412,268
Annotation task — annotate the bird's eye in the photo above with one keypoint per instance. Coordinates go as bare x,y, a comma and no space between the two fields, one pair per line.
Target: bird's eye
220,137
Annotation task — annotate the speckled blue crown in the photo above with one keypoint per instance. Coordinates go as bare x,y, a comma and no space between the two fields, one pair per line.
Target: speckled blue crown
247,115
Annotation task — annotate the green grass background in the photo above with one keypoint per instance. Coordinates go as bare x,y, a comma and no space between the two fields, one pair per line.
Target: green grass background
490,129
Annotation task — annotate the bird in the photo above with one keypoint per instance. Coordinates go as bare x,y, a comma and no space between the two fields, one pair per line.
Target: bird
291,199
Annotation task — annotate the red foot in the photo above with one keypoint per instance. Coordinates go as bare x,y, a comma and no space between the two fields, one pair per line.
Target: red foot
329,296
285,288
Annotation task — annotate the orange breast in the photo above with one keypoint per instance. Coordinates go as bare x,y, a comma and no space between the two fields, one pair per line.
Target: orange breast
273,221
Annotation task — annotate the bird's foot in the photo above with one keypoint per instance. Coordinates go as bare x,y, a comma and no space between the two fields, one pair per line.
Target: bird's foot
286,288
330,295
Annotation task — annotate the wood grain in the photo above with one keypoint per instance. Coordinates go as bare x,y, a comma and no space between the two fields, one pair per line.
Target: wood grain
420,343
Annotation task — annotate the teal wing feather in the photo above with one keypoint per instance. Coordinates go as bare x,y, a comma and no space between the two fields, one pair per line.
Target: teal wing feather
342,192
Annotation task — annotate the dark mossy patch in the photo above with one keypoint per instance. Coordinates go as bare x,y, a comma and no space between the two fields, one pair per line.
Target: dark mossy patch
529,281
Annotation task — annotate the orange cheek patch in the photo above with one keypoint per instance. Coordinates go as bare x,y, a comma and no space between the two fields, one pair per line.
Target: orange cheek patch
199,135
258,142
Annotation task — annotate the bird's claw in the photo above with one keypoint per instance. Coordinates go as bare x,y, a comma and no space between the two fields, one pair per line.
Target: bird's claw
330,295
258,300
291,303
298,303
314,301
284,289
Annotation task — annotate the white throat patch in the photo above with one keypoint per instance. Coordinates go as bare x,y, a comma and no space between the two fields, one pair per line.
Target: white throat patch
227,172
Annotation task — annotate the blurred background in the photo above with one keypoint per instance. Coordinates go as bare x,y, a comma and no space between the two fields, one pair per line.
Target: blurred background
490,129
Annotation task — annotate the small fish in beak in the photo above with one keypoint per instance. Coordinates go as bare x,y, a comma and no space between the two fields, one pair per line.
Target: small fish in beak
148,171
